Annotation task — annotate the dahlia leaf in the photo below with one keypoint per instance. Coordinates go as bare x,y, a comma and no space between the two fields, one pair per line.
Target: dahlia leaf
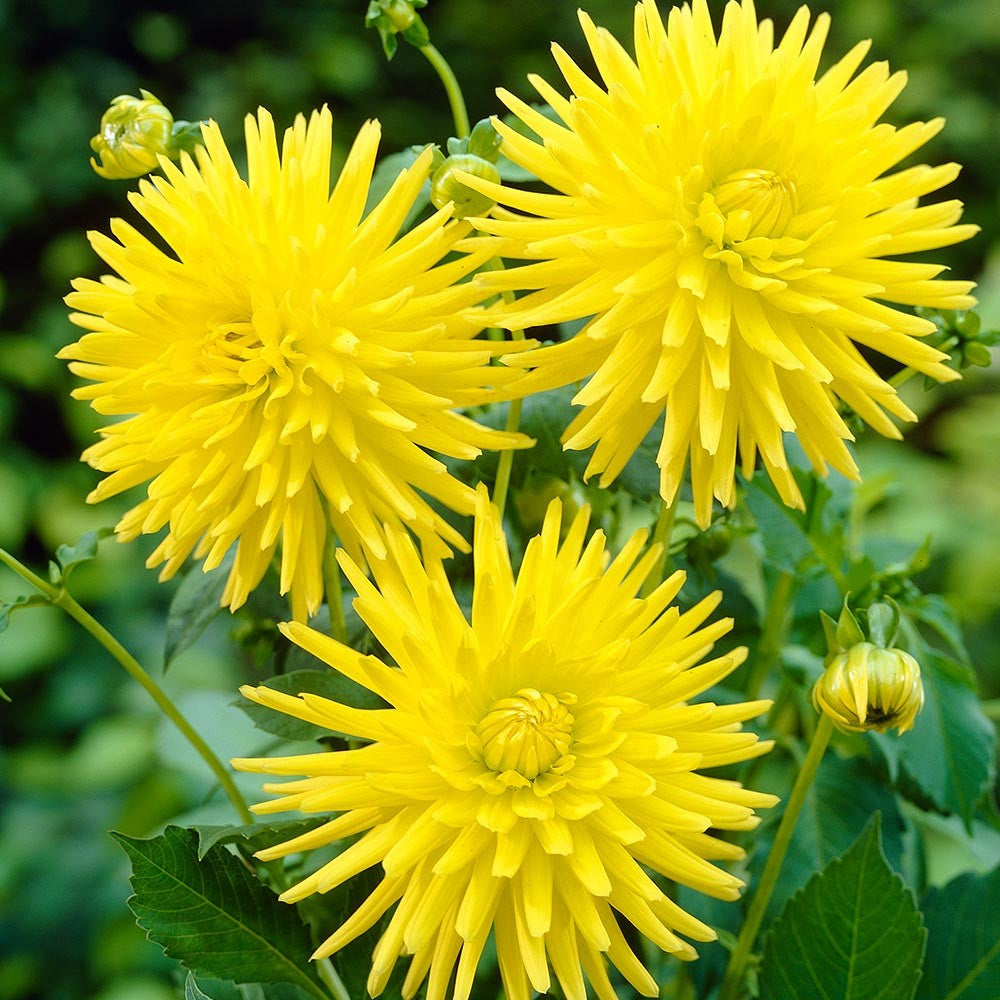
949,753
197,601
192,991
840,803
68,557
853,933
213,916
253,836
24,601
327,683
963,939
934,611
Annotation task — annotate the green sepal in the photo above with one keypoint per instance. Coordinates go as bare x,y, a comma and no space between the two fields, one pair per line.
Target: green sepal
397,17
883,623
185,137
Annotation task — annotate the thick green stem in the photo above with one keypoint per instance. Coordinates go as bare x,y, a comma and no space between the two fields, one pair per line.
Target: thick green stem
506,461
732,982
661,533
62,600
332,981
772,634
451,88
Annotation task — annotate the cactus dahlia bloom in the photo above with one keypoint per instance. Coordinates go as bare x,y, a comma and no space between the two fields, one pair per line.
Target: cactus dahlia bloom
734,228
284,364
531,770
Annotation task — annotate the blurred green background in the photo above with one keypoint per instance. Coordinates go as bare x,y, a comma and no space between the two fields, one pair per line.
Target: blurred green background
81,751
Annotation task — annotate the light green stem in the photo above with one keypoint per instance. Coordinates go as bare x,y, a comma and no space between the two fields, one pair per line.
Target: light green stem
991,709
772,634
732,982
61,598
506,461
451,88
661,533
332,981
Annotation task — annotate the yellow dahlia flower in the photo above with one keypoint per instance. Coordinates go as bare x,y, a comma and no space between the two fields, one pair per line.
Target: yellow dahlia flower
731,225
285,364
533,768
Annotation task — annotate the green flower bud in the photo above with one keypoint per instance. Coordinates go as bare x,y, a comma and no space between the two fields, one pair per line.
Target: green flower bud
135,131
397,17
867,687
446,187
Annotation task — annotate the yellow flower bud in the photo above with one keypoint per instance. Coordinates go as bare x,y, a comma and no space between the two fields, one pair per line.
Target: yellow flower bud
134,132
868,687
445,186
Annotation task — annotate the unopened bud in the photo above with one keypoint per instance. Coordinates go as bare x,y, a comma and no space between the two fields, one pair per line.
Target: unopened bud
446,186
868,687
135,131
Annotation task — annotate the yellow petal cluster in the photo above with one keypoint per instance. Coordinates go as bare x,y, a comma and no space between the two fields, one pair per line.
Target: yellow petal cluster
536,771
736,230
282,362
868,687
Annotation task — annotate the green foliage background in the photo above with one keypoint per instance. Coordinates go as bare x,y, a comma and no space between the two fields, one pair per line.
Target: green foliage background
82,751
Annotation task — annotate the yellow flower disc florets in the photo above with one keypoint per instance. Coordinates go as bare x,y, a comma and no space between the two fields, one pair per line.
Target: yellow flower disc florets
538,771
732,227
283,366
527,734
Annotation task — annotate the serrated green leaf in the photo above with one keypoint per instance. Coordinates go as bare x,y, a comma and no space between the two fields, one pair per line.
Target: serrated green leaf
963,940
68,557
934,611
853,933
192,991
327,682
844,796
198,600
254,836
213,916
949,753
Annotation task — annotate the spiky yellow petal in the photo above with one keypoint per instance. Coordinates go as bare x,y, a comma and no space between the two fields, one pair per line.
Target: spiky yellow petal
723,216
536,764
287,363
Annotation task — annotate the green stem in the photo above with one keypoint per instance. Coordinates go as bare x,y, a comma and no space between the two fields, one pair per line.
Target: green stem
451,88
732,982
661,533
334,591
904,375
332,981
506,462
61,598
772,634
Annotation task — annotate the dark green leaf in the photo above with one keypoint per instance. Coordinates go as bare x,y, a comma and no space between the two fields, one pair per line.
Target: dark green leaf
327,682
192,990
949,753
213,916
963,940
197,601
68,557
254,836
853,933
840,803
934,611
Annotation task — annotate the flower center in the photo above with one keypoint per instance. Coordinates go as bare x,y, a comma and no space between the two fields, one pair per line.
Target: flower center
527,733
248,352
748,203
